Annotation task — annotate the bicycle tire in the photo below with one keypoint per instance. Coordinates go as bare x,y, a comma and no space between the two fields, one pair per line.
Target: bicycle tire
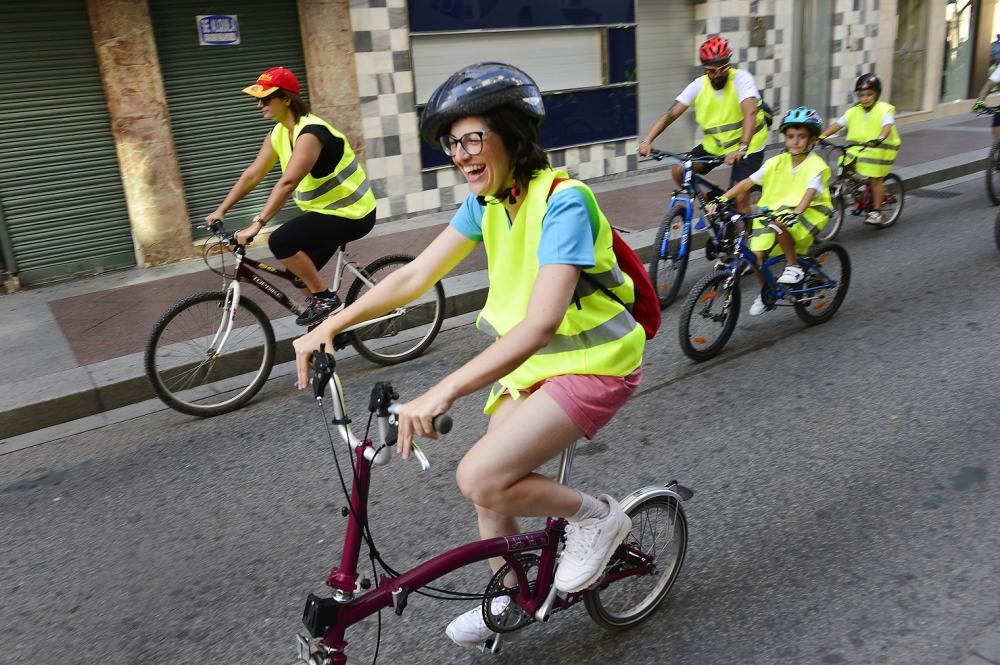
996,231
822,310
667,269
894,195
836,219
993,174
423,317
705,294
187,373
624,603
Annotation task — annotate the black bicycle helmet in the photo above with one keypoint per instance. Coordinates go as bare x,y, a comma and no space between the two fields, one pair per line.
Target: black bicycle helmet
476,89
868,82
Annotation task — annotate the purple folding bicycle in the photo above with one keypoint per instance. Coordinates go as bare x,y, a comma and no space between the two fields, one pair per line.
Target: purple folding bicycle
635,582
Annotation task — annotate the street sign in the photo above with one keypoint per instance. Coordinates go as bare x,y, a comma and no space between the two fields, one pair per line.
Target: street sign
218,30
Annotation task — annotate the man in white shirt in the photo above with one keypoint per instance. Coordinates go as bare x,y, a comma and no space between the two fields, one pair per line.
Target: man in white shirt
729,111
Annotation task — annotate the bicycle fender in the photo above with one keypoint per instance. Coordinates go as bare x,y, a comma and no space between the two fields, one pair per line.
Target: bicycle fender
678,492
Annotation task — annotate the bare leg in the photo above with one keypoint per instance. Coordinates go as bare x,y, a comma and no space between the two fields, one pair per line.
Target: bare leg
787,246
996,133
743,203
302,267
878,192
497,474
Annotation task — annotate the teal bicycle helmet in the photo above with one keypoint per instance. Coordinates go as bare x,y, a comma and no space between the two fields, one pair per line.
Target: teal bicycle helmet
803,116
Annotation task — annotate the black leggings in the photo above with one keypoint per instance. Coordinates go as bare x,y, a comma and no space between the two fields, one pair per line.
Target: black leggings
317,235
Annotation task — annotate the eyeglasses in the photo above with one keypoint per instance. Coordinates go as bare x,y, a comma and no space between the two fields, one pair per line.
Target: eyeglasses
472,143
270,98
716,70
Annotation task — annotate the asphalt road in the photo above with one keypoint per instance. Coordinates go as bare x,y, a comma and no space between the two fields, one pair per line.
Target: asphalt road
846,480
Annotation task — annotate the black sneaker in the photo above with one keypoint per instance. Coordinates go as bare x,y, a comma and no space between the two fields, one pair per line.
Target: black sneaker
318,308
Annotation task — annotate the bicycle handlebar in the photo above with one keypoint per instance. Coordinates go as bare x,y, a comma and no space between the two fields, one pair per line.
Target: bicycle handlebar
384,403
660,155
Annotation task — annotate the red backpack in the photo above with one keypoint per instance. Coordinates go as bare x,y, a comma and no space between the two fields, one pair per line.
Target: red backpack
646,308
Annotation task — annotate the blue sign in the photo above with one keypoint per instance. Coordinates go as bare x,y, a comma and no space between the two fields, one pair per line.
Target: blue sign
218,30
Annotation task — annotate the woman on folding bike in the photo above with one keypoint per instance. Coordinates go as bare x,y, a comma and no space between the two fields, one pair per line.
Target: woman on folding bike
321,174
566,355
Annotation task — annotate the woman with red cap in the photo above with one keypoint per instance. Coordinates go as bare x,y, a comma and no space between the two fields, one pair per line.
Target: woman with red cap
322,175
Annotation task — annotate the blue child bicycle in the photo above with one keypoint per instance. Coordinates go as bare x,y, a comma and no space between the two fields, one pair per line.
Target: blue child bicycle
713,306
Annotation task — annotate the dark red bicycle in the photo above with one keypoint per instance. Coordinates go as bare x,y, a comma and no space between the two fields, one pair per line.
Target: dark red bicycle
211,352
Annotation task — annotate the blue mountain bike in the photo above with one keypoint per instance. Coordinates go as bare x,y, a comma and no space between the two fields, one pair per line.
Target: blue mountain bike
673,239
713,306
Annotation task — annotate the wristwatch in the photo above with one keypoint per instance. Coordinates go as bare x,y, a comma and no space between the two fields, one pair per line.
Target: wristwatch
743,147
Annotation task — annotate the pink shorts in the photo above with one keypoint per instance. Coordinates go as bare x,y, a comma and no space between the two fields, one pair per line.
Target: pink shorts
591,401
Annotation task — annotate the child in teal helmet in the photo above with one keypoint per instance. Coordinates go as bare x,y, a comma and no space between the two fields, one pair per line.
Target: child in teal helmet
794,187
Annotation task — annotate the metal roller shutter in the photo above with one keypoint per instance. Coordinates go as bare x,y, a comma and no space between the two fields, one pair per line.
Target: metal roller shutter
218,129
60,184
666,53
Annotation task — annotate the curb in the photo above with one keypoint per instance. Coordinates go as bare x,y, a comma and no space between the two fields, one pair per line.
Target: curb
85,391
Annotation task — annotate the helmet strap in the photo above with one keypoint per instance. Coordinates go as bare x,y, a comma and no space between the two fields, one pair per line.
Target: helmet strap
510,194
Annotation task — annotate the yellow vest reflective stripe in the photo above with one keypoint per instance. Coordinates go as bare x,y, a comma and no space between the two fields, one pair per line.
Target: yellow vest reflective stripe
344,193
721,119
783,189
872,162
597,335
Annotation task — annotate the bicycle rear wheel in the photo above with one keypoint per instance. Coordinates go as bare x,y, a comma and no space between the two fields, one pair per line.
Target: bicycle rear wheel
892,206
406,334
836,219
668,266
659,531
191,372
709,316
993,174
832,260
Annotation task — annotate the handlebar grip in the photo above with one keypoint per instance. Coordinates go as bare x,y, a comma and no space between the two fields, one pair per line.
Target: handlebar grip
442,424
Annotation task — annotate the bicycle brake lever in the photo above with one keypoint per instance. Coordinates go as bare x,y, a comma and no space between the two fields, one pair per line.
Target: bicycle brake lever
323,366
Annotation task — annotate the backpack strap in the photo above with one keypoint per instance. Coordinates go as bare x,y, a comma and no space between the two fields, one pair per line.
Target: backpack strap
587,276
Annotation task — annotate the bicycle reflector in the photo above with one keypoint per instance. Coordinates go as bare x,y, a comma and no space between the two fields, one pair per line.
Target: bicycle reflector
319,614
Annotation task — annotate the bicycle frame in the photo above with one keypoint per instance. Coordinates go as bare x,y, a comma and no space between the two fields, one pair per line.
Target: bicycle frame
687,195
746,258
329,618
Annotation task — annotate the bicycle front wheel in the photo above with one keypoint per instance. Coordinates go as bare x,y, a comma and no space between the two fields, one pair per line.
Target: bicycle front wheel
199,365
659,532
836,220
993,174
402,335
668,266
827,263
892,206
709,316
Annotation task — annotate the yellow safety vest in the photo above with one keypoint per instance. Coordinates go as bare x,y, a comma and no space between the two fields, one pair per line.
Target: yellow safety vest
783,189
861,127
344,193
597,335
721,119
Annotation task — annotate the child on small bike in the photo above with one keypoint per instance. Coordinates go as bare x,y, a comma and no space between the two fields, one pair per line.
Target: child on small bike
871,122
794,185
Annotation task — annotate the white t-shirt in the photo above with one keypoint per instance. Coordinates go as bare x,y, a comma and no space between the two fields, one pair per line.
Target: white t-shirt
887,119
743,80
816,183
995,75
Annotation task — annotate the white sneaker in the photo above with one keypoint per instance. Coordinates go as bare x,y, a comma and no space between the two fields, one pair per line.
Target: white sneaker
470,629
874,217
758,307
791,275
589,546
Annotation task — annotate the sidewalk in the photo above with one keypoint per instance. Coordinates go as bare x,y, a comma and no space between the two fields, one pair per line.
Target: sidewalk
75,349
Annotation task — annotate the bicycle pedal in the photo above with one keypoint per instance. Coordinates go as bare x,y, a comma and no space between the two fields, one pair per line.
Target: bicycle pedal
492,645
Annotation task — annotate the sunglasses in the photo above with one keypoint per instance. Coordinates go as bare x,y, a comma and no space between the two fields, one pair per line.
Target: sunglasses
716,70
270,98
472,143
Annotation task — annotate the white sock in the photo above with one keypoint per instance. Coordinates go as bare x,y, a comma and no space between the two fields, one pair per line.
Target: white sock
590,508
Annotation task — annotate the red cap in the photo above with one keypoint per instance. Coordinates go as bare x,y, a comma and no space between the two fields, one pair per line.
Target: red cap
276,78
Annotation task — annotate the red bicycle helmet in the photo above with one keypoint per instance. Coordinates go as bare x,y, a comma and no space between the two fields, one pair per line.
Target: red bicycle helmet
715,49
868,82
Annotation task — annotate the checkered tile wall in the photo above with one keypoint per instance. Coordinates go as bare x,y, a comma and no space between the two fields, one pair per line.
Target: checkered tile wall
385,82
